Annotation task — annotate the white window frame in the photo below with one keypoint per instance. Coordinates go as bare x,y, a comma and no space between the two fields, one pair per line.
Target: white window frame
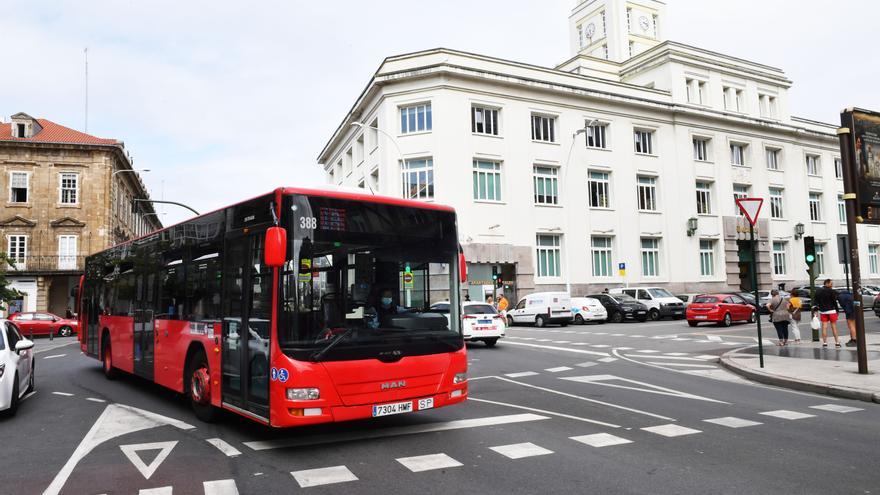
701,148
873,265
599,181
17,250
487,181
27,178
542,133
597,136
738,154
820,258
601,256
777,203
410,124
780,258
740,191
771,156
813,164
650,257
62,189
67,261
838,168
704,197
415,167
545,178
644,139
841,210
815,206
552,254
486,116
707,257
646,190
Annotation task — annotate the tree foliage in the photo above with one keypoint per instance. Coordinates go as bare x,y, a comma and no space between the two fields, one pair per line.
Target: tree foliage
7,293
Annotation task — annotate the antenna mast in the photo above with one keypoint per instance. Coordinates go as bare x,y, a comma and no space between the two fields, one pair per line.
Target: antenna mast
86,53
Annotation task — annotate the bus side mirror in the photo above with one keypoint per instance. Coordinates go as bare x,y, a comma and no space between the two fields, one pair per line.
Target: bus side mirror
275,247
462,267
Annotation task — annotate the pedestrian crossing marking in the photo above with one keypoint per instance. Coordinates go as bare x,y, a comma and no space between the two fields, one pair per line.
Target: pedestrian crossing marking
732,422
520,374
428,462
557,369
521,450
162,490
837,408
671,430
323,476
601,440
220,487
782,413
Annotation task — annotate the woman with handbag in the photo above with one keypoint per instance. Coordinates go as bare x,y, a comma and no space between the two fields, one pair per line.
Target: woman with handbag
779,315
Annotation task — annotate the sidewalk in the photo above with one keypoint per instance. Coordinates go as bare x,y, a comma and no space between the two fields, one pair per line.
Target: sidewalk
811,368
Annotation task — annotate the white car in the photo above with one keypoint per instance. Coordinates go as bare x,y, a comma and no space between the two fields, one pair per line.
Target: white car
660,302
479,321
16,367
587,309
541,308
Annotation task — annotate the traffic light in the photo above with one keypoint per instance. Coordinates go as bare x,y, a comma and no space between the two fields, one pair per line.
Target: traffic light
495,274
809,250
499,283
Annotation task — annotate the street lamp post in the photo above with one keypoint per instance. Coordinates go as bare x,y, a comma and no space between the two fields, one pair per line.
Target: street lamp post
574,136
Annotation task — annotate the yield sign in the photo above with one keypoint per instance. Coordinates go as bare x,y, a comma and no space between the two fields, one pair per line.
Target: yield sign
751,207
145,469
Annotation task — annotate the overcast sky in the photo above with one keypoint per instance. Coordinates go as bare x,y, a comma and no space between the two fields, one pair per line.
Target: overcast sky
224,100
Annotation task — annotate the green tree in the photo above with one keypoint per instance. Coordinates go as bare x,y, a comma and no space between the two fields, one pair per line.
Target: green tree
7,293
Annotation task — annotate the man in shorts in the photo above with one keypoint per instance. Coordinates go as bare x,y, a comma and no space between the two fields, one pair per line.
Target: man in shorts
826,300
847,303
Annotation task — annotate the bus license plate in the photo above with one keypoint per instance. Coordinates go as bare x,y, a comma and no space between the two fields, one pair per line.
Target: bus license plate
389,409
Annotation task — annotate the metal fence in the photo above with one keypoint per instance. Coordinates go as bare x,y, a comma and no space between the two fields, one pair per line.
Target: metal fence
48,263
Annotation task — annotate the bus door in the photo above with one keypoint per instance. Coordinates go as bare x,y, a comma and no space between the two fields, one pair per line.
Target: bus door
144,337
247,289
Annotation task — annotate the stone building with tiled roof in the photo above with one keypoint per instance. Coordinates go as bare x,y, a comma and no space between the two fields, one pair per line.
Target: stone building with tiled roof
63,195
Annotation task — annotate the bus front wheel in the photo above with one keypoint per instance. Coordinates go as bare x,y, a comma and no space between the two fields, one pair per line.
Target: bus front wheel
107,359
198,387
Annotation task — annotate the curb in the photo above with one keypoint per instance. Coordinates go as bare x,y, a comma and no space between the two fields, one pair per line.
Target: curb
803,385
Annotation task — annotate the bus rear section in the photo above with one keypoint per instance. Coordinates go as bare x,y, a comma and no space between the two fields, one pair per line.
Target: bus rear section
294,308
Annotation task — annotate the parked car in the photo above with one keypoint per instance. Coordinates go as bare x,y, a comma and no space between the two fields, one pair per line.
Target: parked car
749,298
44,324
723,309
16,367
764,298
621,307
876,306
541,308
687,298
587,309
479,321
660,302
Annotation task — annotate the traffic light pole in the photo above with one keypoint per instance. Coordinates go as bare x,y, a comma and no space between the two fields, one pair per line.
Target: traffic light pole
849,187
755,288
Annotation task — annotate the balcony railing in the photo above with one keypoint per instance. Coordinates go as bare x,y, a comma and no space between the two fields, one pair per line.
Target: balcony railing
48,263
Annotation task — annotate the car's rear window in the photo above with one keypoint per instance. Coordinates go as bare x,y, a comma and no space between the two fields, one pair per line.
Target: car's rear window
479,309
705,299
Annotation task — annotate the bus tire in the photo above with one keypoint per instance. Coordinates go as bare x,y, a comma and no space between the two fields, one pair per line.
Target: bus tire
198,387
107,357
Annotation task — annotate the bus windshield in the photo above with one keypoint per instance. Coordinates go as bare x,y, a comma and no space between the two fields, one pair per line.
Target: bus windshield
366,275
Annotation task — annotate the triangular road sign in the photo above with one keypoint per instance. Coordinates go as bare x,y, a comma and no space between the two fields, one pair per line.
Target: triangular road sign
751,207
145,469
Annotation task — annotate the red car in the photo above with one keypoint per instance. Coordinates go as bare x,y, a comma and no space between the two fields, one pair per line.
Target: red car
44,324
722,309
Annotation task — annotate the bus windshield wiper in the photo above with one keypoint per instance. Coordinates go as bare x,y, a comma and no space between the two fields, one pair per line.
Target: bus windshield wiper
317,355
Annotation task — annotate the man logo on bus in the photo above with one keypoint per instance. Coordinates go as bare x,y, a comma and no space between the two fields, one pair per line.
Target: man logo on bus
393,385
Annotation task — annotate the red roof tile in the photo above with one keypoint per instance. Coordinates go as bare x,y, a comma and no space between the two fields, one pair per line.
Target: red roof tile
54,133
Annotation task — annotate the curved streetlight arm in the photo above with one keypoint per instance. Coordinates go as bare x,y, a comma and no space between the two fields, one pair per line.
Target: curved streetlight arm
389,136
138,200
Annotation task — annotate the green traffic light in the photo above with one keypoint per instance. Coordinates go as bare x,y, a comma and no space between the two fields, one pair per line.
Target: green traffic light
811,259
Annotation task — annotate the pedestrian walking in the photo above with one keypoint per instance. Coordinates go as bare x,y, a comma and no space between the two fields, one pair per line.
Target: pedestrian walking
467,298
847,303
826,300
795,311
490,300
503,303
779,316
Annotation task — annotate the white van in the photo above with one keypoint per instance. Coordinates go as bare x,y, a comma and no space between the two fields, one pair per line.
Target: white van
660,302
541,308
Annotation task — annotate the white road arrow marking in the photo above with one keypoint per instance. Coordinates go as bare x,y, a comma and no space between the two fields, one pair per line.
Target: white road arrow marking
641,386
145,469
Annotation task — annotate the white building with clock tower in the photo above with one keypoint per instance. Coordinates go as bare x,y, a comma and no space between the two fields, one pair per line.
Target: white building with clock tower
630,152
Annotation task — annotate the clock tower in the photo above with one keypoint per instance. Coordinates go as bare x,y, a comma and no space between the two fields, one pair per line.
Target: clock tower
615,29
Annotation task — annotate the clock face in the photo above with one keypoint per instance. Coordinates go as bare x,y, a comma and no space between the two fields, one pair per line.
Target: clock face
643,22
591,30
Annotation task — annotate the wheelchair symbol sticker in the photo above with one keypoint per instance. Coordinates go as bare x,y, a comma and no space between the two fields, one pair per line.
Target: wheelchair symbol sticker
283,375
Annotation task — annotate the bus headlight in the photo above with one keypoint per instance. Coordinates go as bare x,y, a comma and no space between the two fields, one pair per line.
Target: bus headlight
460,378
303,394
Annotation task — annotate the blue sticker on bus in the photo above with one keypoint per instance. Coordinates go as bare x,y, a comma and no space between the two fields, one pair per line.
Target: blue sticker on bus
283,375
274,374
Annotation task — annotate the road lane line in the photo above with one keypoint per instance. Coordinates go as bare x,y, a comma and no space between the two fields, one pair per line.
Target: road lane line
684,365
224,447
556,370
220,487
637,386
586,399
671,358
393,431
65,394
28,396
40,351
93,399
55,356
554,348
521,374
543,411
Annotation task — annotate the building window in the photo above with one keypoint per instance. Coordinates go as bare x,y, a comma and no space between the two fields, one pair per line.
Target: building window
816,207
543,128
872,260
418,178
733,99
841,209
647,193
767,105
549,254
772,158
67,252
18,187
629,24
779,249
20,131
655,21
546,185
17,250
487,180
69,188
415,118
739,192
707,257
600,247
838,168
599,186
650,257
632,49
581,36
701,149
820,258
644,142
704,198
776,203
738,154
596,136
812,165
484,121
696,91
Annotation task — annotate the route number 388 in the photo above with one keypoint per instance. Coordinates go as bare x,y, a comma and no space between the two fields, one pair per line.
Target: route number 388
310,223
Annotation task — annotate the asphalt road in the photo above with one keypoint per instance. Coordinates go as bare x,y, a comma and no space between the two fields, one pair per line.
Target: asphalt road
613,408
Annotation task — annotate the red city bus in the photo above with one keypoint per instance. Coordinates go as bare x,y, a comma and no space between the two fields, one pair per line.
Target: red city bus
297,307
